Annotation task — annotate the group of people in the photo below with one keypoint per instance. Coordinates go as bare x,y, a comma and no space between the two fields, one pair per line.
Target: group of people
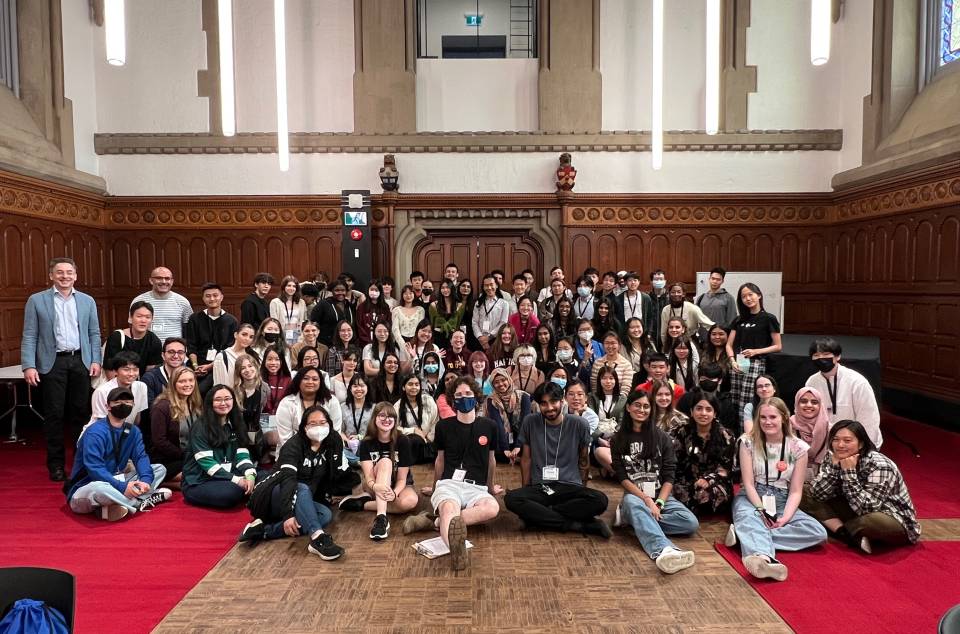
328,394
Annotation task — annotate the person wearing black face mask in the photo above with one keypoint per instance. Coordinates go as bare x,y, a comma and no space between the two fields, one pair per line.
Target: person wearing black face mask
848,394
710,378
99,481
270,335
465,468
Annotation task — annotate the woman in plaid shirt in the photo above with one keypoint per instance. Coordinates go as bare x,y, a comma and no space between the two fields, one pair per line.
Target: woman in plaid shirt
859,494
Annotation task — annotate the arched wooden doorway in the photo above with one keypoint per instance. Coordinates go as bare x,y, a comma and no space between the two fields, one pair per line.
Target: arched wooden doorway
478,253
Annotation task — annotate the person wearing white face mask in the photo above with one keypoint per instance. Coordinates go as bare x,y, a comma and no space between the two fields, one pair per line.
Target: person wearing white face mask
295,498
524,372
583,302
587,350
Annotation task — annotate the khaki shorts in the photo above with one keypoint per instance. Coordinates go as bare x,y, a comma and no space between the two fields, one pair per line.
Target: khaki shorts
463,493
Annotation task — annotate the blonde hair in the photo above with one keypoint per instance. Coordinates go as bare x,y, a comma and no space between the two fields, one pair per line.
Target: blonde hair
181,407
238,388
524,348
756,434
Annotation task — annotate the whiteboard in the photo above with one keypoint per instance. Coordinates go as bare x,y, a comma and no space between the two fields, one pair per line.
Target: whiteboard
771,285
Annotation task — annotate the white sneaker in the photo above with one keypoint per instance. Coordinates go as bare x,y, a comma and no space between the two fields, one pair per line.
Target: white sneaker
618,517
731,538
762,567
672,560
113,512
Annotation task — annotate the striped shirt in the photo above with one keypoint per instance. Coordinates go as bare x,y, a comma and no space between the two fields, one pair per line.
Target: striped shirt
170,313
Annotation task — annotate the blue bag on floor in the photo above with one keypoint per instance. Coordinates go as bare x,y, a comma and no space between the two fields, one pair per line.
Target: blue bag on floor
33,617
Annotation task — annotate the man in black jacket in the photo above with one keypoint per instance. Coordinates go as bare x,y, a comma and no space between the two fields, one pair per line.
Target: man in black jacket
208,331
255,308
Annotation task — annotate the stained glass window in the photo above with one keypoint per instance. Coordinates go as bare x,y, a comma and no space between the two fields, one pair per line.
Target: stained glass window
949,31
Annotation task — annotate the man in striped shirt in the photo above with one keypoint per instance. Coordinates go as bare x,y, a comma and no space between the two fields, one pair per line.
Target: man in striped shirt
170,310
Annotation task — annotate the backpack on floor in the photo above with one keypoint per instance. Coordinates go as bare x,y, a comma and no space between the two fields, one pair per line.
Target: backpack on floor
28,615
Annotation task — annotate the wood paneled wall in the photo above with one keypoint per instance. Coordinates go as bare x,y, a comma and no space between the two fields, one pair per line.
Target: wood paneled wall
881,260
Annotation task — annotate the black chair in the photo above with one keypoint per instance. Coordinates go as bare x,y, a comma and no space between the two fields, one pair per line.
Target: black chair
950,622
56,588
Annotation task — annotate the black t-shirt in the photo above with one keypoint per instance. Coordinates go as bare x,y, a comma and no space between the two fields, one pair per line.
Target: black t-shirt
373,450
466,447
755,331
148,348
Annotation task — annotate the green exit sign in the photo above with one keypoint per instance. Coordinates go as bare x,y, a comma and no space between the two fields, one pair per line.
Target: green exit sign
474,19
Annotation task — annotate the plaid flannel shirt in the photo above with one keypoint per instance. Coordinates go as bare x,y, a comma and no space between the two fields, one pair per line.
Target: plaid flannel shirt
876,485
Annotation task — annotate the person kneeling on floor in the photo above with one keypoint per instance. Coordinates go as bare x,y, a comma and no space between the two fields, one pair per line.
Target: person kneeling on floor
859,495
386,456
554,466
644,463
100,479
464,492
295,498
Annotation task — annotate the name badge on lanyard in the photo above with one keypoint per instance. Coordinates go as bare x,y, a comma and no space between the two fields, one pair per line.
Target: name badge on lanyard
551,473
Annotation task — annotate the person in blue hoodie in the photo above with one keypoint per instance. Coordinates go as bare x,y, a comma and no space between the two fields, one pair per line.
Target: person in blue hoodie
100,479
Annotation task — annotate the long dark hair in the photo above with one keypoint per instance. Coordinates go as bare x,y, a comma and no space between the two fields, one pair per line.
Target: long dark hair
741,308
323,392
620,443
563,327
405,400
381,391
454,299
367,398
858,430
605,370
712,352
302,429
715,446
601,326
645,343
284,369
689,379
217,434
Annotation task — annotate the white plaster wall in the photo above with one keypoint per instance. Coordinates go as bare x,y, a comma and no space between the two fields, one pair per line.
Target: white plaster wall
468,173
477,94
156,91
791,92
855,31
320,65
79,83
625,54
446,17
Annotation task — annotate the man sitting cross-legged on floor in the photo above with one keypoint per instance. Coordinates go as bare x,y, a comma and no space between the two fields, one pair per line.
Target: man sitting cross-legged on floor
554,465
464,471
99,479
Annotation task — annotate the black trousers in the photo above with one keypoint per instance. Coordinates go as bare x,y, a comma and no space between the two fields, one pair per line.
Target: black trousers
569,503
65,392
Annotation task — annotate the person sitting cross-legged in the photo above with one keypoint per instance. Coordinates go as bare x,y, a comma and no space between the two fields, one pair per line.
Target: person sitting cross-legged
464,491
385,458
644,463
554,466
295,498
100,479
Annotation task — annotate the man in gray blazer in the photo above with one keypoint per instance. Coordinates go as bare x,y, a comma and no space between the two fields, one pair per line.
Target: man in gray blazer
59,352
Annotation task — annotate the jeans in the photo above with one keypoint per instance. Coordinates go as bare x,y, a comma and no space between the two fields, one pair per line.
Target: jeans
569,503
802,531
675,519
93,495
65,394
222,494
312,516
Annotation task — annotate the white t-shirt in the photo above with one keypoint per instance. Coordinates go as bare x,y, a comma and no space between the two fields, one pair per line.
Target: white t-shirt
793,450
170,313
99,401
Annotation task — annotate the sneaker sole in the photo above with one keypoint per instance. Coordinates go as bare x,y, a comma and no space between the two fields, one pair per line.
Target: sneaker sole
761,569
730,540
618,518
677,562
349,498
249,538
457,534
380,538
114,512
322,556
414,525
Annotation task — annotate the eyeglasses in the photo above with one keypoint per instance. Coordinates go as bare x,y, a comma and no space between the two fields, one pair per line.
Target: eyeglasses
176,353
387,419
223,400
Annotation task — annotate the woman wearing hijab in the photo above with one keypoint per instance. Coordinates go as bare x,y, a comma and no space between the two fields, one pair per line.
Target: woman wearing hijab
812,424
507,406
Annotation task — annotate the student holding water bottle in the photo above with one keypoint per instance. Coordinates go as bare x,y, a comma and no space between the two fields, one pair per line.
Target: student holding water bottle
753,336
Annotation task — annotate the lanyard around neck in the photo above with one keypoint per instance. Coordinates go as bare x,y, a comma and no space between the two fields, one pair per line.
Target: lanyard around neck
766,461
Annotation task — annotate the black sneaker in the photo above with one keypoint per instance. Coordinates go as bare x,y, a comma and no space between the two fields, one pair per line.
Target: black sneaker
157,497
325,548
354,502
254,531
597,527
381,528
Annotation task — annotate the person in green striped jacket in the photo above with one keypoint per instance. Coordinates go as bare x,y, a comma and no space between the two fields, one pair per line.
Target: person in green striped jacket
217,470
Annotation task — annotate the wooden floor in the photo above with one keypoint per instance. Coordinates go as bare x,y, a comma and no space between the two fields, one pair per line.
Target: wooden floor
517,582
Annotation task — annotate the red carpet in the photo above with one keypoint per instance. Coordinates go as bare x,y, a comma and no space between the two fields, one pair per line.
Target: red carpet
130,573
933,478
835,589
